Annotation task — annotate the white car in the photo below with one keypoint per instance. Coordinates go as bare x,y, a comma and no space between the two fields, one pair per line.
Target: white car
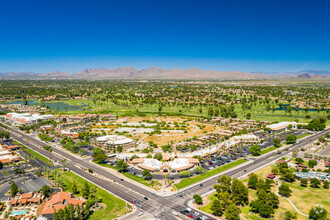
140,213
175,213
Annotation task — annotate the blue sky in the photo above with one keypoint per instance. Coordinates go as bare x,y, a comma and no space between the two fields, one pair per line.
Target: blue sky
264,35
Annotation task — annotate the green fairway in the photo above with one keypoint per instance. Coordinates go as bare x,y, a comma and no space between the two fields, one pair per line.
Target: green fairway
191,180
39,156
114,206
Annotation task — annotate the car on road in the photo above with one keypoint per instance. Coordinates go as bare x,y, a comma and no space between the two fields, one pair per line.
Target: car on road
140,213
146,198
201,184
122,179
175,213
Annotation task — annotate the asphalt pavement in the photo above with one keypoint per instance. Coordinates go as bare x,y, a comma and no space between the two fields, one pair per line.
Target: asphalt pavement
130,191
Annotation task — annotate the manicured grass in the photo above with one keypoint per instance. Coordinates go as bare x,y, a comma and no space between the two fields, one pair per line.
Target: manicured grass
114,206
207,208
188,181
267,150
39,156
304,135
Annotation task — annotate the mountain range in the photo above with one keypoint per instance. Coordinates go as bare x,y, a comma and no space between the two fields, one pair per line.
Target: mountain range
159,73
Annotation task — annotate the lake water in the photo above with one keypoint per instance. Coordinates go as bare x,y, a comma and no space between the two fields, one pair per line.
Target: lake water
300,109
59,106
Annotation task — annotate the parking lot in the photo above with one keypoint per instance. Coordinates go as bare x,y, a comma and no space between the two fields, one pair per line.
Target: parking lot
27,182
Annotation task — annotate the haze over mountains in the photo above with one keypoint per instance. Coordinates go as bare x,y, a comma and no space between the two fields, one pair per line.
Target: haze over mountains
159,73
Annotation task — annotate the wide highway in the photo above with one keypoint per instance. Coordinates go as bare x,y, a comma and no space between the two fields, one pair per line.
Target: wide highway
130,191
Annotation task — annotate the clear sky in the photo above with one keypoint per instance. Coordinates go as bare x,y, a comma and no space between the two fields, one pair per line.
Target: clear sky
242,35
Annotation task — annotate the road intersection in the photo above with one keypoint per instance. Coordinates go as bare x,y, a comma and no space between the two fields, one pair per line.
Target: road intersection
129,191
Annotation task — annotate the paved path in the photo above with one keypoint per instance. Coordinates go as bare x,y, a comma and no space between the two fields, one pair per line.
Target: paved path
293,205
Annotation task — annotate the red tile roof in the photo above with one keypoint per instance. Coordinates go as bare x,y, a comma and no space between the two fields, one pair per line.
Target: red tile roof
26,195
57,202
14,201
4,161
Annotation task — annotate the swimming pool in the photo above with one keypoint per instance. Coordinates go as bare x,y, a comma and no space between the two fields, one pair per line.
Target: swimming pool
14,213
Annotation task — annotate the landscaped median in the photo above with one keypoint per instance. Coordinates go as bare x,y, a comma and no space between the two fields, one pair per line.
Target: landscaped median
128,175
267,150
191,180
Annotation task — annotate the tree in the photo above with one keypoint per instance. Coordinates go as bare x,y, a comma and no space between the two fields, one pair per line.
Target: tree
240,193
265,210
284,190
312,163
216,207
288,175
1,165
253,181
120,149
290,139
272,200
13,189
198,199
290,215
255,205
299,161
121,166
74,187
158,156
199,169
224,184
318,213
185,173
303,182
232,212
325,184
146,174
46,190
98,155
255,150
276,142
274,170
315,183
317,124
86,190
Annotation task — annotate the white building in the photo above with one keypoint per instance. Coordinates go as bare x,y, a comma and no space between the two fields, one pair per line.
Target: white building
26,118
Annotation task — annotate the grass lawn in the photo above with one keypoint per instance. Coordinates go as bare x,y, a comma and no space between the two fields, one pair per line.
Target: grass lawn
114,206
191,180
39,156
306,197
267,150
207,208
304,135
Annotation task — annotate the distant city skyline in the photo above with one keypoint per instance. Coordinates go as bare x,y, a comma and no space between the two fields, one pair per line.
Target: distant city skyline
239,35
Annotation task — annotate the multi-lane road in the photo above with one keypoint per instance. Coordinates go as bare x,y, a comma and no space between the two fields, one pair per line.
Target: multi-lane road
130,191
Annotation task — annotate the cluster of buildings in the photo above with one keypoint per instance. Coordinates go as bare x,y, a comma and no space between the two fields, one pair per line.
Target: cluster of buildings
22,108
84,118
6,154
26,118
167,167
113,141
29,205
236,124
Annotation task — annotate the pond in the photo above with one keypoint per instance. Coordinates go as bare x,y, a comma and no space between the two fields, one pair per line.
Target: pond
58,106
300,109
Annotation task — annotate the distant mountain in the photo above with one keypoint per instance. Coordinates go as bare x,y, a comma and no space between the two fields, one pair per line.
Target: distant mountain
159,73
